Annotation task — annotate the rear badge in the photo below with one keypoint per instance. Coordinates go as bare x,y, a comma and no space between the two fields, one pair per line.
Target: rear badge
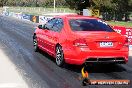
107,37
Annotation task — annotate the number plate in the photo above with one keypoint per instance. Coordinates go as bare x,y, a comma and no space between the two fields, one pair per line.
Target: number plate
106,44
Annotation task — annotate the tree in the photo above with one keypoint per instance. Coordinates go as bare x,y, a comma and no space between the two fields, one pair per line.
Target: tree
117,8
122,8
78,4
2,2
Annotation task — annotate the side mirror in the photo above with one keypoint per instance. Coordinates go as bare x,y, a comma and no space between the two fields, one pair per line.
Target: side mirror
40,27
45,27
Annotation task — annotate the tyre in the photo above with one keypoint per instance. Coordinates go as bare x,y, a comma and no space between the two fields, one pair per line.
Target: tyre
35,44
59,56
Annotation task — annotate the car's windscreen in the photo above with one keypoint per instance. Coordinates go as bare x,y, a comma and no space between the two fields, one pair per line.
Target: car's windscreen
89,25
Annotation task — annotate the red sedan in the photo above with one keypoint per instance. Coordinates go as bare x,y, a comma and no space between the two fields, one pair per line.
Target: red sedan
75,39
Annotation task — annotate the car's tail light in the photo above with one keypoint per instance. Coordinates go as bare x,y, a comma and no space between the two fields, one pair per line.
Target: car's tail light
126,42
80,43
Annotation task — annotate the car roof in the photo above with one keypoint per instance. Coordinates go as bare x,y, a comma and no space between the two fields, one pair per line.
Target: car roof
77,16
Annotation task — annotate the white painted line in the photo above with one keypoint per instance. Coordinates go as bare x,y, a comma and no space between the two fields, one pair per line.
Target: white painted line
9,85
9,75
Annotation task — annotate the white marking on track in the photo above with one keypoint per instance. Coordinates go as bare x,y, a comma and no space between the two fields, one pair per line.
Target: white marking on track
10,85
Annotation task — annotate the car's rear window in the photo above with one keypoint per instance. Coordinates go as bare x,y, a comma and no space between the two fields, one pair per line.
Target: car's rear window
89,25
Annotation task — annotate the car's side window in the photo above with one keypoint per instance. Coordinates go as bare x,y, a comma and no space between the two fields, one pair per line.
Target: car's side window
50,24
58,25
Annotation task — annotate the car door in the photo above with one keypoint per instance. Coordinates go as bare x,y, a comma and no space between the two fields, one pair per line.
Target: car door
38,32
55,34
45,35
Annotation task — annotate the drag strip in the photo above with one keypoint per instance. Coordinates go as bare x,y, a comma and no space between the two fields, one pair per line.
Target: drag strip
39,69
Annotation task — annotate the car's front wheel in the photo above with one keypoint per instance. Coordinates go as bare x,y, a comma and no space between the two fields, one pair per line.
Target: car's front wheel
59,56
35,43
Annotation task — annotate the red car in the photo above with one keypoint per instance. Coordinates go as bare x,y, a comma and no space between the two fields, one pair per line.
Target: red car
76,39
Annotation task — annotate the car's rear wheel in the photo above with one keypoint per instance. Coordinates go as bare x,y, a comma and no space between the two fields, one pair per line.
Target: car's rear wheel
59,56
35,43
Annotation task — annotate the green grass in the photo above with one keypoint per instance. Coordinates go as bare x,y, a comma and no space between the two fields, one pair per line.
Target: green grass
39,10
126,24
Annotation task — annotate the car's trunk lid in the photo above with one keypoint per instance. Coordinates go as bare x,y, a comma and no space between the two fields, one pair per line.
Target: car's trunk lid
102,40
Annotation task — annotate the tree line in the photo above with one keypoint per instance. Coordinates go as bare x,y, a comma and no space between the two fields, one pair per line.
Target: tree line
118,8
33,3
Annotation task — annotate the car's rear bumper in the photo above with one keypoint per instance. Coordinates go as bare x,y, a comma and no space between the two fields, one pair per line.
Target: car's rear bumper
118,60
81,56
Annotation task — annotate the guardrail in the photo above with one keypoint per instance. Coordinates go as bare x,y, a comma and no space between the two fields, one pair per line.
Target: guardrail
28,17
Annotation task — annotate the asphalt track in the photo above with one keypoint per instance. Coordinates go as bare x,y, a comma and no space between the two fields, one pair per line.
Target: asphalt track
39,69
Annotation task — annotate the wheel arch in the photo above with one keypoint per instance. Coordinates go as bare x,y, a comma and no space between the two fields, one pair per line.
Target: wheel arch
57,45
34,35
